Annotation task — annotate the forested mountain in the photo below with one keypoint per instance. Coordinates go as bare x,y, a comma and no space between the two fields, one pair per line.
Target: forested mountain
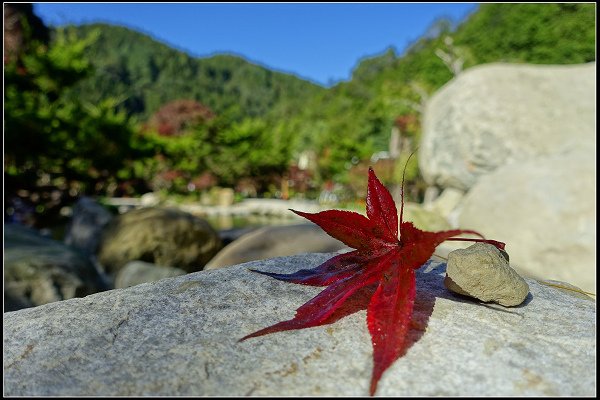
354,118
145,74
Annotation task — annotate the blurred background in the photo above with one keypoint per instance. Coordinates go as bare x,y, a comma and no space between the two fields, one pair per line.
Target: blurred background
234,113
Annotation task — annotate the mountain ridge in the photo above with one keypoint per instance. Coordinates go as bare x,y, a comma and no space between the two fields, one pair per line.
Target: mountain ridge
136,58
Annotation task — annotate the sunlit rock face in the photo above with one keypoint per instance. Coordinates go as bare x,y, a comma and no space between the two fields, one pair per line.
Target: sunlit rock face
520,141
496,114
179,337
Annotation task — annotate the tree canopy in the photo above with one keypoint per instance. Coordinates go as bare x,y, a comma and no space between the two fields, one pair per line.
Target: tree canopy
103,106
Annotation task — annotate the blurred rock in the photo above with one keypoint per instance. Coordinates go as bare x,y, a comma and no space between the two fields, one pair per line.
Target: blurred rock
275,241
545,212
446,203
422,218
137,272
85,227
38,270
225,197
162,236
232,234
495,114
149,199
521,139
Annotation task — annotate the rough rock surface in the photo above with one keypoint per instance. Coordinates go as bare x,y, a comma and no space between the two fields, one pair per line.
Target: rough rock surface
162,236
137,272
39,270
567,288
482,271
495,114
179,336
85,228
545,211
275,241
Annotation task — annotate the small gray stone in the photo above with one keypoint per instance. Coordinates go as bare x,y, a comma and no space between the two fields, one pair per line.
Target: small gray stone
136,272
482,271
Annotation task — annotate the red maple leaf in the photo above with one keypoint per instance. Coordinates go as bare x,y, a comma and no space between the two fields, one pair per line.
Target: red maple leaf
379,275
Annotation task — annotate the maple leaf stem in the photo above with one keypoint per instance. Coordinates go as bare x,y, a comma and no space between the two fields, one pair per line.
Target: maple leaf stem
443,258
402,185
496,243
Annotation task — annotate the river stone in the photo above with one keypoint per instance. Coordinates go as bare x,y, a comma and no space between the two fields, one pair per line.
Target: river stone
446,204
232,234
149,199
482,271
179,337
495,114
84,230
423,218
162,236
39,270
275,241
545,211
137,272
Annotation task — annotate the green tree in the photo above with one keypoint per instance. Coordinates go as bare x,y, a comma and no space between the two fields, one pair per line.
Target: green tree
249,148
50,136
558,33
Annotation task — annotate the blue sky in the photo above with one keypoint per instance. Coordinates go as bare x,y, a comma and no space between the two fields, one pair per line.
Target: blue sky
322,42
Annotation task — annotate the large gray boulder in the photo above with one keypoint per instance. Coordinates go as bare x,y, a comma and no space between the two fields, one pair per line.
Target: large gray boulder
179,337
545,211
275,241
162,236
496,114
39,270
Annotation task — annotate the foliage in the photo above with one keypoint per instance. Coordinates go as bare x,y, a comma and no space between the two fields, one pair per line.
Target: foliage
248,148
71,105
176,116
231,151
48,134
558,33
354,118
